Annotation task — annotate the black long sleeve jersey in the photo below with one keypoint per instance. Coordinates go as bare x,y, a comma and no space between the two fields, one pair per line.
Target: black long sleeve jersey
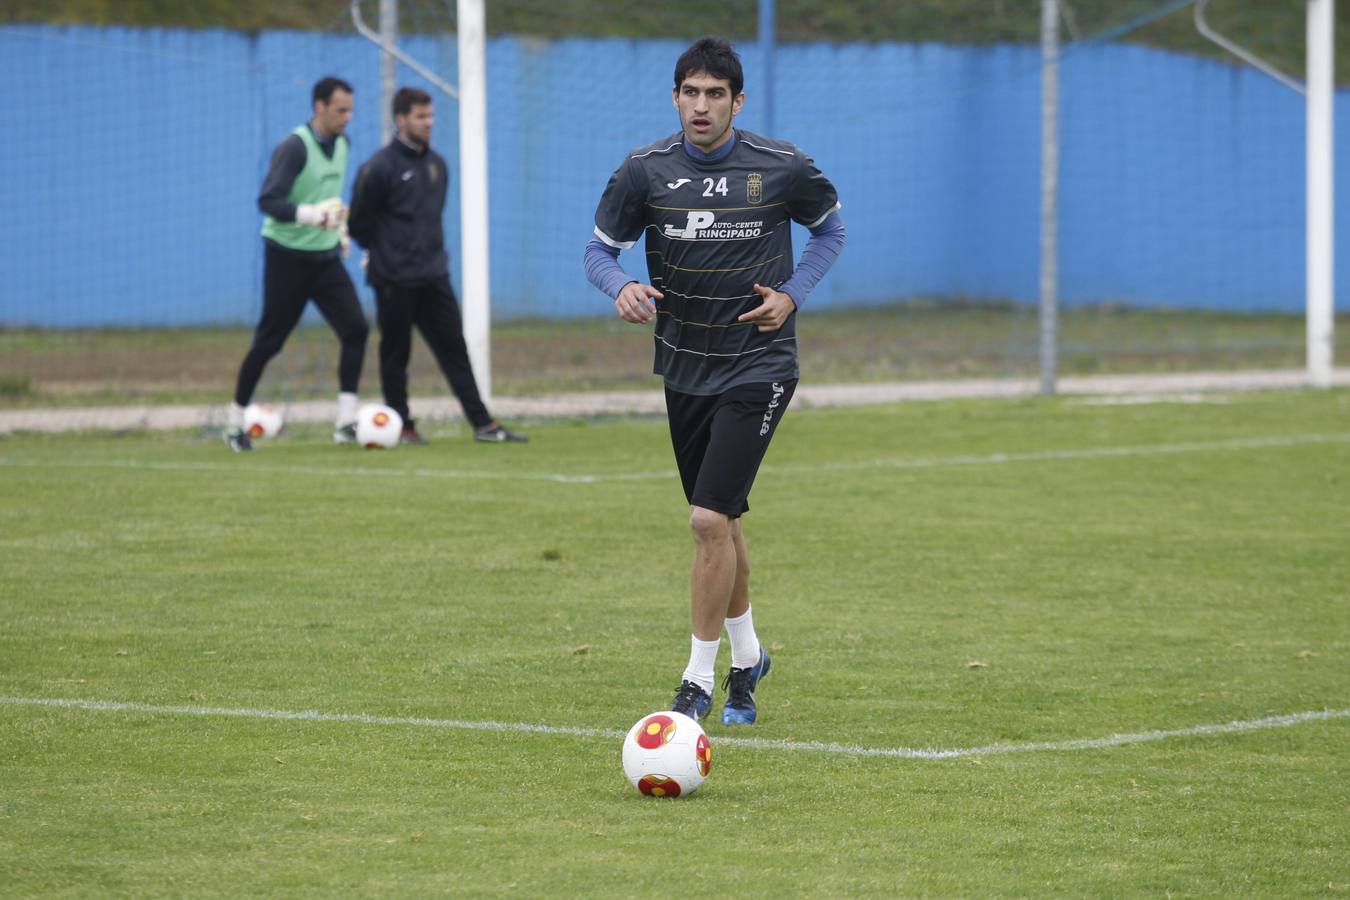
713,230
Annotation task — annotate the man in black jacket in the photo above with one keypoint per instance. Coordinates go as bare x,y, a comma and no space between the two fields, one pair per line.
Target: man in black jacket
396,211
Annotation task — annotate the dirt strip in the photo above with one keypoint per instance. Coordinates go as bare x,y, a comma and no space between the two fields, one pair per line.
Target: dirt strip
125,418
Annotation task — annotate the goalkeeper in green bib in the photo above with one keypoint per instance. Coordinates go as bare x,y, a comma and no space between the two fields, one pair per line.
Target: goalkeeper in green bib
304,242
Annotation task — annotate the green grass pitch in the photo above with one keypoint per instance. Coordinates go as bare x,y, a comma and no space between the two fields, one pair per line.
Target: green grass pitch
948,576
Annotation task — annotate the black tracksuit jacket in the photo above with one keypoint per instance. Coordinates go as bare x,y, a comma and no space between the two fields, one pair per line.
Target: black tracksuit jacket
396,210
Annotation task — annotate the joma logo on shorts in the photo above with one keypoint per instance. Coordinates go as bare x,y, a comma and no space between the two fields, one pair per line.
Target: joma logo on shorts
768,413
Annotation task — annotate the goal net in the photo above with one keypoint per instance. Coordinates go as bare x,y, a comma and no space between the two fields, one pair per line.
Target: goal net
135,151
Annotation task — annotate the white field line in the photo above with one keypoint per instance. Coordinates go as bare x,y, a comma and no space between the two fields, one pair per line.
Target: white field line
990,459
1115,740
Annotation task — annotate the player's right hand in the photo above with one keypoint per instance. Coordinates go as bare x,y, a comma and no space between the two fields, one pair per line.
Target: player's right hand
312,214
634,302
328,215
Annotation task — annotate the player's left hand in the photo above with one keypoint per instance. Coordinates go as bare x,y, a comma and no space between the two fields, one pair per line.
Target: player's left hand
334,214
772,312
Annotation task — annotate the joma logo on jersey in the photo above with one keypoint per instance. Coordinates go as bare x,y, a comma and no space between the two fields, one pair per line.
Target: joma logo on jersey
754,187
699,226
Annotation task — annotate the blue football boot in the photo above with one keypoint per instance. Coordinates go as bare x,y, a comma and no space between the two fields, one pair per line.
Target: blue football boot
740,686
692,700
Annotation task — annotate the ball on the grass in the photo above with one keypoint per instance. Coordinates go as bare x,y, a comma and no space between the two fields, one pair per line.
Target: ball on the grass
666,754
262,420
378,427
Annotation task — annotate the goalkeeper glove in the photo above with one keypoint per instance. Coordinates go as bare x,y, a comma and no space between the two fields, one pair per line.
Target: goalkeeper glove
329,215
311,214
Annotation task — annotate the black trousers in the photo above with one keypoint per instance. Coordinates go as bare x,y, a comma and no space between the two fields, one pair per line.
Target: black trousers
289,282
432,307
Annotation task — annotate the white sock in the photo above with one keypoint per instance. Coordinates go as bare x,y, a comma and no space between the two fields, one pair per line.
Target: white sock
346,408
744,641
702,663
236,415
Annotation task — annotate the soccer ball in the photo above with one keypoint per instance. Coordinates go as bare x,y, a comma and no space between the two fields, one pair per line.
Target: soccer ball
666,754
262,420
378,427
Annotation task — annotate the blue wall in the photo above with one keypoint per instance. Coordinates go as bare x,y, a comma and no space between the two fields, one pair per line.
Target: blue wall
131,161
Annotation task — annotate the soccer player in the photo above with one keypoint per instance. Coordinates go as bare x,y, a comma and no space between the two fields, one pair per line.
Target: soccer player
303,245
715,204
397,207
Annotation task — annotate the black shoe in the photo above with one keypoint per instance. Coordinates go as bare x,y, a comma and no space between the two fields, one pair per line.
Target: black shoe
238,440
410,435
492,433
692,700
344,434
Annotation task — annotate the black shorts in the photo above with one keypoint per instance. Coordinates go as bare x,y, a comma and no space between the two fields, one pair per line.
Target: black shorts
720,441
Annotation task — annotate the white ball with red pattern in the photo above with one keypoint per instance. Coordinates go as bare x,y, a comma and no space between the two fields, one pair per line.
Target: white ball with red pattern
666,754
262,420
378,427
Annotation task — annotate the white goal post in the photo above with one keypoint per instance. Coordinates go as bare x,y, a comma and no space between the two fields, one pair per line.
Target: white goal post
1321,188
1320,91
473,189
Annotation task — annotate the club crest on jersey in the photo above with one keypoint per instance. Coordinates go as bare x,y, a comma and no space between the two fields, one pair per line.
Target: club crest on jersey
754,187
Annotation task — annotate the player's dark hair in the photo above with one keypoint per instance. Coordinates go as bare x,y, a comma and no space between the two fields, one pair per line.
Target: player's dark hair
324,87
714,56
405,98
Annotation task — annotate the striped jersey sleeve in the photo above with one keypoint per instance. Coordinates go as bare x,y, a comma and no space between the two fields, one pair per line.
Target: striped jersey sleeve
620,217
